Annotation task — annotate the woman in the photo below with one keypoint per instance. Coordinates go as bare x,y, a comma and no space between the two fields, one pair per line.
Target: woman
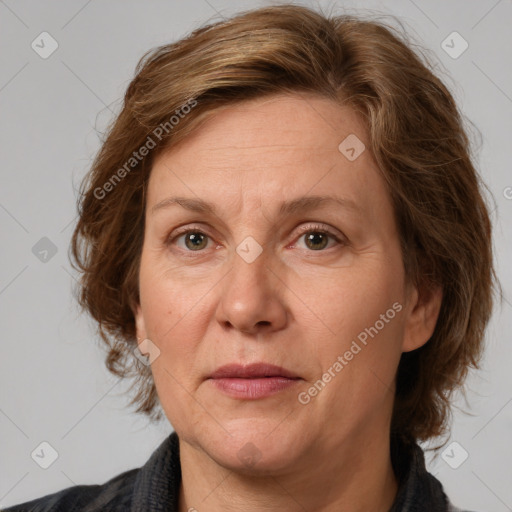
285,236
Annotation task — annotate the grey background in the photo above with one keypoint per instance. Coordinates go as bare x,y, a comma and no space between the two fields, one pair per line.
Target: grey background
53,383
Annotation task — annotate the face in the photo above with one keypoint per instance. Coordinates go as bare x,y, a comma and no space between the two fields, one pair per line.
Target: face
279,319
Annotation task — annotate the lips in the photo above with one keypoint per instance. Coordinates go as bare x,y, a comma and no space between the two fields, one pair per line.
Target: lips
252,371
252,382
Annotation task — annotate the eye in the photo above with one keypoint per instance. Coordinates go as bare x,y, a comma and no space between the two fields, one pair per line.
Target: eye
193,239
317,237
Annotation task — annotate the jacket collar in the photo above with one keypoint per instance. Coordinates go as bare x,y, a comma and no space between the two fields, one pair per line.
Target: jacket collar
157,485
418,490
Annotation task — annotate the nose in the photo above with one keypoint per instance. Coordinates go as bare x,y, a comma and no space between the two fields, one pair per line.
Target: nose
252,297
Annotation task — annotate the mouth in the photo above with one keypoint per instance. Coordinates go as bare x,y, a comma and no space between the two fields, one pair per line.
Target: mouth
252,371
252,382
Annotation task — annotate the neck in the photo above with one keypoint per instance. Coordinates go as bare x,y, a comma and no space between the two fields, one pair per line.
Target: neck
357,476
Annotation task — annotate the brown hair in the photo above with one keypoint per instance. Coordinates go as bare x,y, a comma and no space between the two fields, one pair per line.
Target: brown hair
416,137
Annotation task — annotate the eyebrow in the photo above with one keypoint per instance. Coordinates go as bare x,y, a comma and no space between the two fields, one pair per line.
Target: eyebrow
301,204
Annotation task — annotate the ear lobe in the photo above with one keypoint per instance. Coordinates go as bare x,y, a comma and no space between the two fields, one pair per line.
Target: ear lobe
423,312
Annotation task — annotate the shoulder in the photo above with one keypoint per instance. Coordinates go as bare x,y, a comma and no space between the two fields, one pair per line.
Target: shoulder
116,494
157,481
418,489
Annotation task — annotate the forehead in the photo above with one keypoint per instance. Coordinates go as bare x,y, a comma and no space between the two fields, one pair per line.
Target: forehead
267,150
279,123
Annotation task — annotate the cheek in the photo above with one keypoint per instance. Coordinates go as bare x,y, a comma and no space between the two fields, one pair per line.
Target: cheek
172,316
177,312
364,318
358,368
169,302
357,297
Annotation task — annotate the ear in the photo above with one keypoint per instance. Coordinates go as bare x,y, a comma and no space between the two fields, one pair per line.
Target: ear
423,311
140,326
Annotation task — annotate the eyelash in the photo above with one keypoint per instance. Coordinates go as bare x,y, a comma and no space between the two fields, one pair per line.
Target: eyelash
315,228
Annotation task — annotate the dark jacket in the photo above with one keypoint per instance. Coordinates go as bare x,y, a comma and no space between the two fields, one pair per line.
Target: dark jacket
155,487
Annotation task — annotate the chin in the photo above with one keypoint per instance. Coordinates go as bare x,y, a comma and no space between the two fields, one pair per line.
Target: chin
255,446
